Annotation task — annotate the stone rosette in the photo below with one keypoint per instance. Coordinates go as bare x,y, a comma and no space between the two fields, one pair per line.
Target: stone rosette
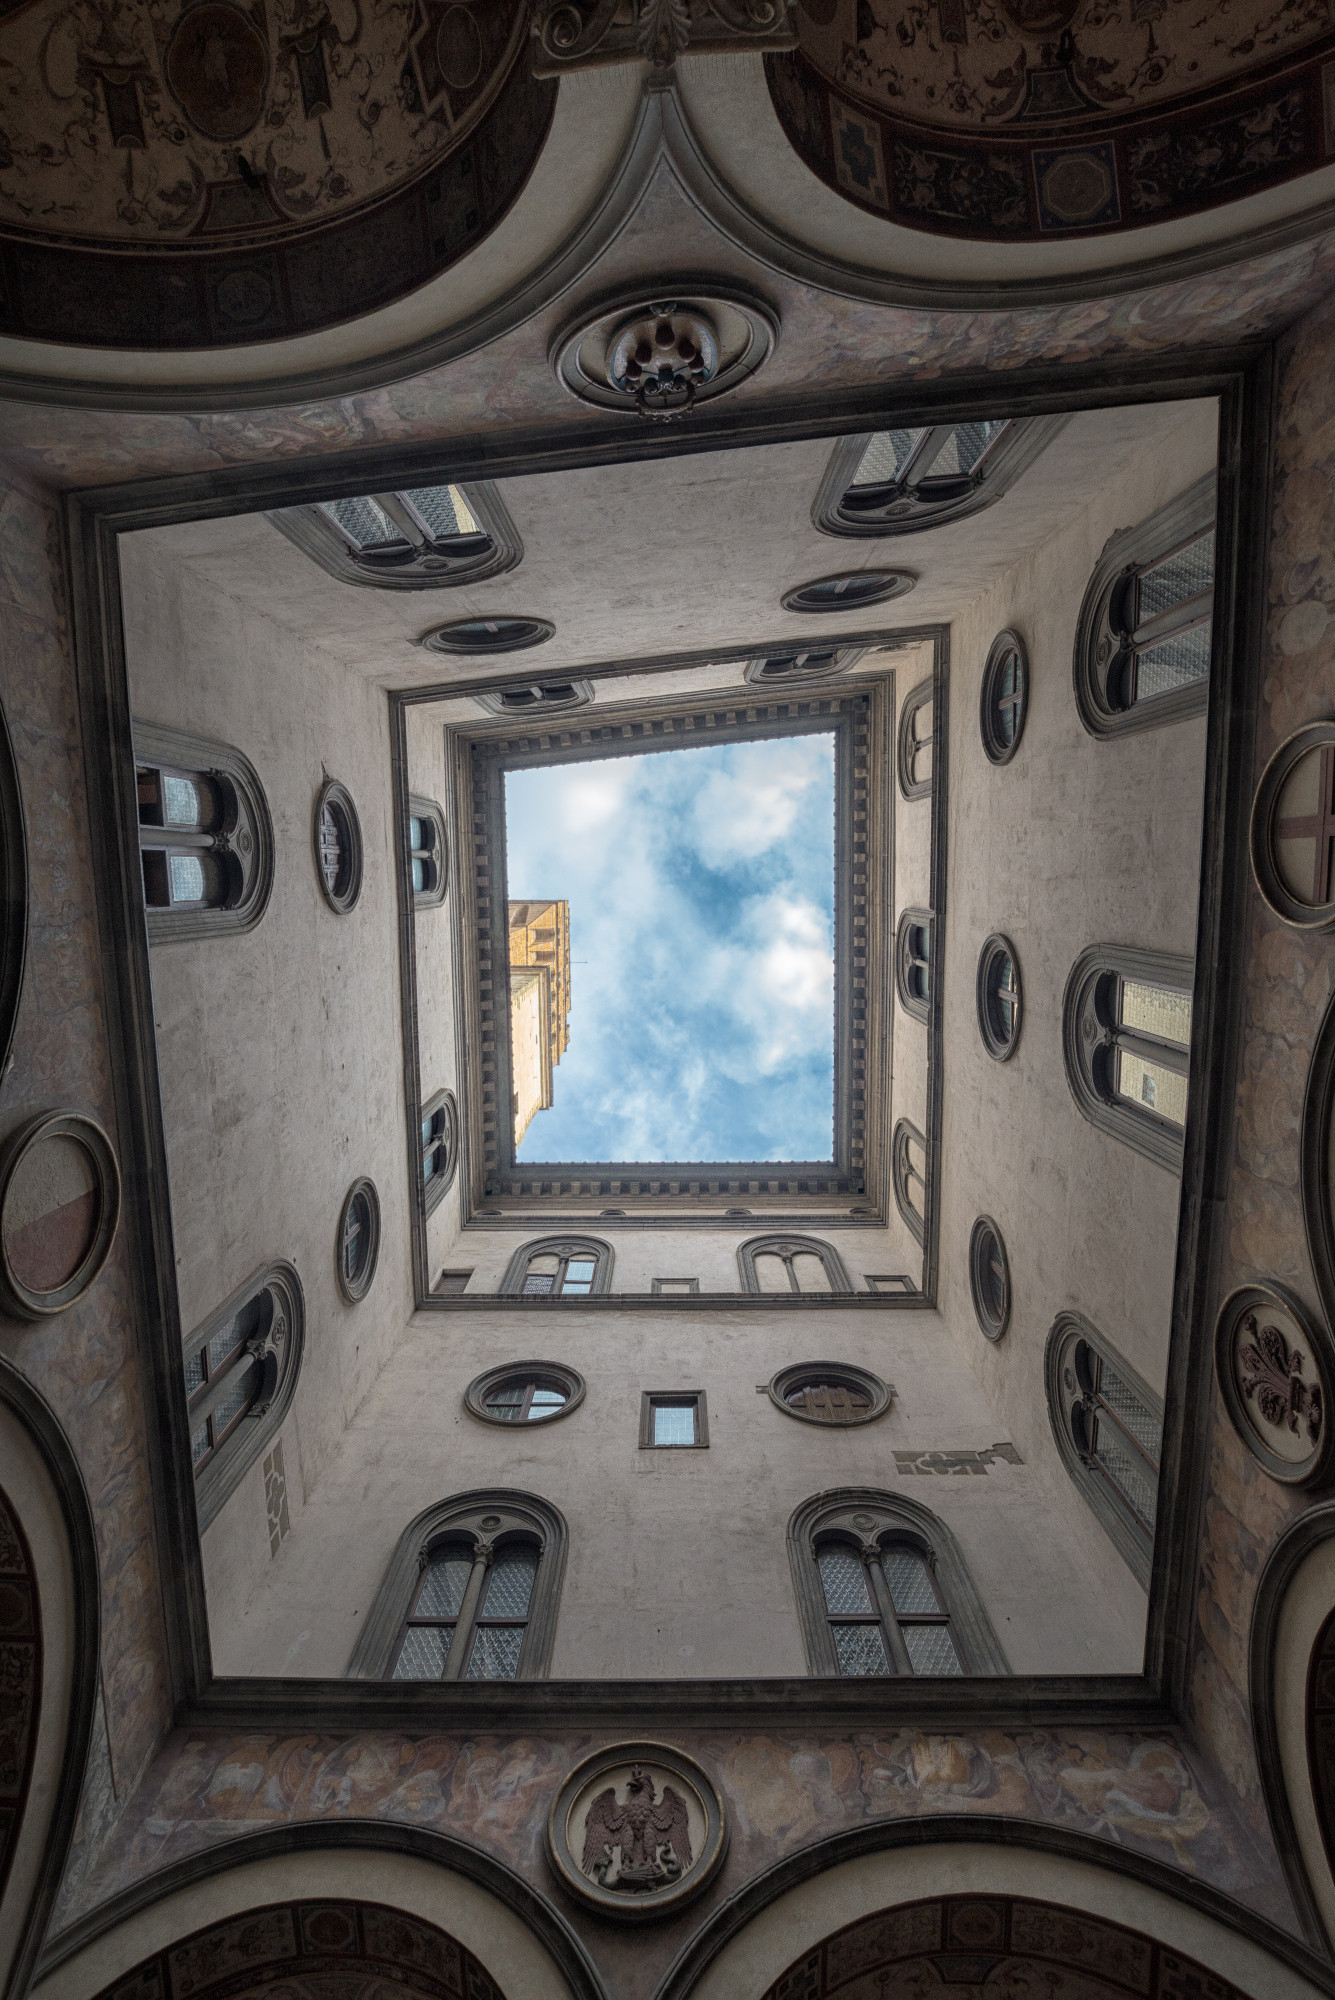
1276,1368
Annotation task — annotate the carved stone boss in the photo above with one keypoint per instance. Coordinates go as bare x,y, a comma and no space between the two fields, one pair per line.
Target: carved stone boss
636,1830
583,34
1275,1368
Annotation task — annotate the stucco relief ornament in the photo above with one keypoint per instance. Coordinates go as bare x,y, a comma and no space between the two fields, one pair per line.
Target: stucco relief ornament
636,1830
664,354
1276,1365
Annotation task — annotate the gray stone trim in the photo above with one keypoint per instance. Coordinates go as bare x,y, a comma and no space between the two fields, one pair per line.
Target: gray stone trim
475,1395
908,746
994,948
919,1009
430,1194
1011,454
179,749
810,1246
13,890
554,698
1314,1157
356,1288
427,809
19,1298
1290,909
284,1340
879,1392
651,1398
995,747
1087,1039
990,1325
339,800
1126,1533
904,1131
559,1246
832,1513
316,536
487,1515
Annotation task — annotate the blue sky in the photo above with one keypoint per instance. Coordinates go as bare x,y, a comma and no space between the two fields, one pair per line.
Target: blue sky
701,892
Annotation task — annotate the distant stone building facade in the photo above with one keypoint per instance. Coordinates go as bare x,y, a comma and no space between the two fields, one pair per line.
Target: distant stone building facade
539,1004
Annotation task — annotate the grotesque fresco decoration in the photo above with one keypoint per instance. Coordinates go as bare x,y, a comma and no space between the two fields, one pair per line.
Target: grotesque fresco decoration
232,130
1032,118
20,1680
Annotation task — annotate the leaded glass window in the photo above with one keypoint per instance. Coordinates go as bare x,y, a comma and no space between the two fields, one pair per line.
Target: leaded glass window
1108,1425
426,852
183,849
897,481
223,1377
469,1612
1126,1036
791,1264
885,1612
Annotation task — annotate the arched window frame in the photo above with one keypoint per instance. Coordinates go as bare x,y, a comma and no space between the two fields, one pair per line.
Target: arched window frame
1092,1035
566,1248
439,1148
870,1522
536,697
918,497
242,844
435,855
912,746
420,559
913,962
1106,636
787,1247
793,664
904,1174
488,1519
277,1345
1075,1407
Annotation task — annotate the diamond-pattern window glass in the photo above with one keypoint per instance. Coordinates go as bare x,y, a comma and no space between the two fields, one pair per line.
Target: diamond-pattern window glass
180,801
422,1654
1129,1410
1160,1090
931,1649
366,524
1126,1469
187,878
537,1284
1184,574
886,456
510,1584
1157,1011
443,509
441,1594
199,1444
194,1374
1173,663
910,1581
241,1390
495,1654
964,448
844,1580
860,1650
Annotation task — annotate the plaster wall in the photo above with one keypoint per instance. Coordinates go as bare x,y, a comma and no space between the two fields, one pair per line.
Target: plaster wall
278,1050
677,1563
1076,841
433,952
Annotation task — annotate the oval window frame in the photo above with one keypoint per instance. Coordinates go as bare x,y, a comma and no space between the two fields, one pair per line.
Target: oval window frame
887,584
23,1301
520,634
996,947
851,1376
992,1327
1286,906
339,800
995,748
352,1290
481,1387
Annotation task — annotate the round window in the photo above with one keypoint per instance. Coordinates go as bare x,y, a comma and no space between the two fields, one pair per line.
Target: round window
989,1278
851,590
524,1392
59,1207
358,1240
998,997
488,635
338,847
1004,700
1293,829
830,1392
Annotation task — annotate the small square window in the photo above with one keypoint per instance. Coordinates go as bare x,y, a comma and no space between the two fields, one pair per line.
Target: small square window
673,1419
674,1287
451,1281
890,1282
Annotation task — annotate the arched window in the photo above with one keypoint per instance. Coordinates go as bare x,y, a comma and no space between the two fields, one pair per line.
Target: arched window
205,836
1108,1424
814,663
914,758
1143,638
525,696
913,962
470,1594
1004,699
560,1267
999,998
908,1170
338,846
882,1588
895,482
419,538
791,1264
427,853
241,1370
440,1146
1126,1041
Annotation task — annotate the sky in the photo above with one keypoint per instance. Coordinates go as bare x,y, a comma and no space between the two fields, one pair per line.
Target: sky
701,892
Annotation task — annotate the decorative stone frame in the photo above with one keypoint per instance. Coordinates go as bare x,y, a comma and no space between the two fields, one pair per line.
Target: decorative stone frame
677,1286
796,665
1281,899
986,1234
901,1174
652,1399
244,842
426,809
611,1764
279,1348
880,1393
1099,633
1089,1038
484,636
999,1046
481,1386
500,1188
552,695
356,1287
435,567
432,1192
905,512
919,1006
337,800
512,1284
1315,1468
487,1517
1007,645
1316,1158
1123,1529
866,1520
909,746
848,590
13,891
787,1247
19,1298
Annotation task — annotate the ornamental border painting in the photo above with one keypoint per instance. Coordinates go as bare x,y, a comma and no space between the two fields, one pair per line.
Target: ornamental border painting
202,175
1016,122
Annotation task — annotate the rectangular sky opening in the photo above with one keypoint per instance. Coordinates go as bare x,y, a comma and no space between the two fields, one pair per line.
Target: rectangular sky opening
671,948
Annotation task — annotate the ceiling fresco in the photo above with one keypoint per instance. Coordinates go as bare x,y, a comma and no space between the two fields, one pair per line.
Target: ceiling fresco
179,176
1027,119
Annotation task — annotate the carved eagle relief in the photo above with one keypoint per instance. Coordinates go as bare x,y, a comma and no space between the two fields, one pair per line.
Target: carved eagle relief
651,1834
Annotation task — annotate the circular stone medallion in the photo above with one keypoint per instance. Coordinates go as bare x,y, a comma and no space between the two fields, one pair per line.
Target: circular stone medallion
1293,819
1276,1366
636,1830
59,1206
